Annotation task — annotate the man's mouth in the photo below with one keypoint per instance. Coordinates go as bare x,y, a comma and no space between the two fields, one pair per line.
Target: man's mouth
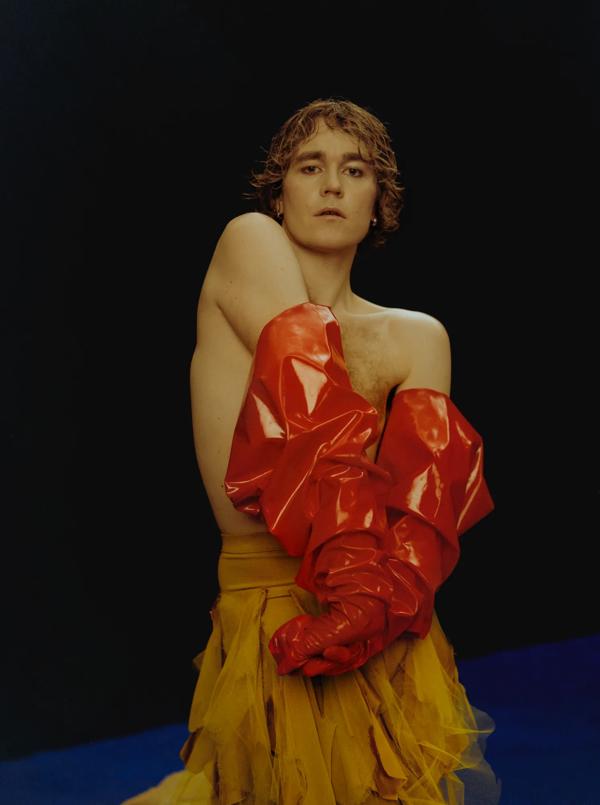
331,212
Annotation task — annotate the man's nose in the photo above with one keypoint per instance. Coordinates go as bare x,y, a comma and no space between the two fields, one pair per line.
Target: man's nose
331,182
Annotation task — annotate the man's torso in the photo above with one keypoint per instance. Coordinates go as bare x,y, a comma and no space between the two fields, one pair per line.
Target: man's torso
375,360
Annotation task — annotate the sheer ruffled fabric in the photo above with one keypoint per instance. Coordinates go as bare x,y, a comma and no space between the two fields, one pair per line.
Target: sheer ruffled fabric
400,728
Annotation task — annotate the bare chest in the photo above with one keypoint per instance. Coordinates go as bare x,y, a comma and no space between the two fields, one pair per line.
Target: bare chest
372,361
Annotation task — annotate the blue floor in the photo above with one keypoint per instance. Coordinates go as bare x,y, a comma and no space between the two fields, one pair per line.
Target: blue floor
544,699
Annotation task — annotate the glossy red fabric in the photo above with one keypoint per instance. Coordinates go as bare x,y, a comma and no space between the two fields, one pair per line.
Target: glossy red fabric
377,538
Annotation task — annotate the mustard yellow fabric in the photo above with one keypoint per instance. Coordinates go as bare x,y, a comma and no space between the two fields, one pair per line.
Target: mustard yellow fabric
398,729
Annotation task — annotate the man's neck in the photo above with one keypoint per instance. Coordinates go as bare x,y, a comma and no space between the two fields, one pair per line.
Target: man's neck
327,277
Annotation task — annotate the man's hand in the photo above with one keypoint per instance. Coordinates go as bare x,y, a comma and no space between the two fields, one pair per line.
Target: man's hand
296,645
336,660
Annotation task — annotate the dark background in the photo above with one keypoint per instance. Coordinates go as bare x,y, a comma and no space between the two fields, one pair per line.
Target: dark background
129,130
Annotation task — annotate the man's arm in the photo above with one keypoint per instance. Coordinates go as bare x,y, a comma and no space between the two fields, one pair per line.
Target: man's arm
254,275
427,343
430,353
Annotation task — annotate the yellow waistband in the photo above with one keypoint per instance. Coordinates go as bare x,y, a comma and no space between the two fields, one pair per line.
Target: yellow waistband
255,560
254,543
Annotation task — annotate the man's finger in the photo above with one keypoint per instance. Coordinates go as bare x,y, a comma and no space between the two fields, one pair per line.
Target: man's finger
337,653
315,666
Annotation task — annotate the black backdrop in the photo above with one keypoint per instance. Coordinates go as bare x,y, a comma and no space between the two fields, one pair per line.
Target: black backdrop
129,129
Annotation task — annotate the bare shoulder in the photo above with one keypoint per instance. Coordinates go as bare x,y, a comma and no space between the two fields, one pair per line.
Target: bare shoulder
253,274
417,346
407,326
416,324
425,342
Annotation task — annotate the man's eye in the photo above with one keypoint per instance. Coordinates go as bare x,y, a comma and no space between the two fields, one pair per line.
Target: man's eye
359,172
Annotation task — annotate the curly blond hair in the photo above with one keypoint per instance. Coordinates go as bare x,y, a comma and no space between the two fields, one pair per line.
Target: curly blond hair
354,120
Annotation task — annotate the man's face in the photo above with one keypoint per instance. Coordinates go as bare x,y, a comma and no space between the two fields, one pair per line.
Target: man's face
326,171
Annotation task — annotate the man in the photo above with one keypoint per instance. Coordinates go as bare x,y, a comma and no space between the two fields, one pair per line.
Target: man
325,420
260,268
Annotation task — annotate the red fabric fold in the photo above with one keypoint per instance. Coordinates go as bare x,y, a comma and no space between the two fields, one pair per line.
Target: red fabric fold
436,459
377,539
297,455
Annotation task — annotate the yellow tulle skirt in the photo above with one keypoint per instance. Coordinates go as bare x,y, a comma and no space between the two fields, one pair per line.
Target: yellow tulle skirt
398,729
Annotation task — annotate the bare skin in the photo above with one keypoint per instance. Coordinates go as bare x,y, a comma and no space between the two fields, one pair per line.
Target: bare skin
260,268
